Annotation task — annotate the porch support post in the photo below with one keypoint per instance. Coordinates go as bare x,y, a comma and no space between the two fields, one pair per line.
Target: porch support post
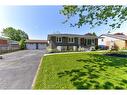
79,41
79,44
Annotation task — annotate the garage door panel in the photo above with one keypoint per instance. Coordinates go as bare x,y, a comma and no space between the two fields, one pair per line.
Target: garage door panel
31,46
34,46
42,46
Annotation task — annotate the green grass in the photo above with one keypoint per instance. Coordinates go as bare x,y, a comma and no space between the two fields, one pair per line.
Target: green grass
82,71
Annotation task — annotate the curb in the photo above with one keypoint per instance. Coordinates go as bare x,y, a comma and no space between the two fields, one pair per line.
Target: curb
63,53
36,74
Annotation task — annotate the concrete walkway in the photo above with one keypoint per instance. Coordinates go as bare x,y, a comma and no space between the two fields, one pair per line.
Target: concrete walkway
65,53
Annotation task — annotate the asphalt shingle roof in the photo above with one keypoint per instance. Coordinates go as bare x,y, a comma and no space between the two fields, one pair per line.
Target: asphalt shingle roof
121,37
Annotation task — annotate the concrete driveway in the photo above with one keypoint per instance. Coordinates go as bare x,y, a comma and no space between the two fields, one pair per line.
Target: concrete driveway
18,69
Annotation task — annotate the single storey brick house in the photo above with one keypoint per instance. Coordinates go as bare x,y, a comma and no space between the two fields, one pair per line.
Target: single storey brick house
72,42
108,41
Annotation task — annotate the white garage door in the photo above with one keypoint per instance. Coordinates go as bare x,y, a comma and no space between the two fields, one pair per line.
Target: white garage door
42,46
31,46
36,46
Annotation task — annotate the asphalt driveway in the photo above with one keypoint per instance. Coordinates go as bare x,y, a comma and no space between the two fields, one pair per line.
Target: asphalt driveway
18,69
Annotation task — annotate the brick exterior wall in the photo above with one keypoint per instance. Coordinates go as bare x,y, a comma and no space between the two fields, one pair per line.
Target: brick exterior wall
96,42
3,42
120,43
126,43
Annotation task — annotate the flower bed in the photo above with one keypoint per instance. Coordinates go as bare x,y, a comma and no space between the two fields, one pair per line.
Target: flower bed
117,54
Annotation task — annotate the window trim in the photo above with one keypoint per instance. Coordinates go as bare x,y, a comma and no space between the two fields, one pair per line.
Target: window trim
58,39
71,41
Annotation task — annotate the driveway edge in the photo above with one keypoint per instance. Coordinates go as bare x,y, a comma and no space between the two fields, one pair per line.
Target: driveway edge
37,73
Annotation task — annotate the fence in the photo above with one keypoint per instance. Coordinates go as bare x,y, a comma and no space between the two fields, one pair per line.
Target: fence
8,48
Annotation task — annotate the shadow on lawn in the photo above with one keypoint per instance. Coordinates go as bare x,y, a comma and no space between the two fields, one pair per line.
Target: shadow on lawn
86,77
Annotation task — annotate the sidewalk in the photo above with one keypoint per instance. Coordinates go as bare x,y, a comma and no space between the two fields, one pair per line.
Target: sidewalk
64,53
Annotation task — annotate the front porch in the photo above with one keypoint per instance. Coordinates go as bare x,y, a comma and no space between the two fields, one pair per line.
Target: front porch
75,48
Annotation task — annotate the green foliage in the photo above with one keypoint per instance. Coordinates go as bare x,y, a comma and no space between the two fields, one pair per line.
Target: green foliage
113,15
96,47
22,44
108,85
125,81
90,70
94,34
14,34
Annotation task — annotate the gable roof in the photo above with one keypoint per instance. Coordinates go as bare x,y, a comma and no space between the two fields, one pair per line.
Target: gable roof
121,37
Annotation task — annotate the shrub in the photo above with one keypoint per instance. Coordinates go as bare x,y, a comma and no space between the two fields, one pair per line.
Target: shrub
22,44
119,87
125,81
52,50
108,85
96,47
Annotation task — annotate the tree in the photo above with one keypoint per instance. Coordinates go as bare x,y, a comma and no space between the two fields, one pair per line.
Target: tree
113,15
94,34
22,34
108,31
14,34
22,44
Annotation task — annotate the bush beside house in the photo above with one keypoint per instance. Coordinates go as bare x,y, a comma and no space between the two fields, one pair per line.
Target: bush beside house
22,44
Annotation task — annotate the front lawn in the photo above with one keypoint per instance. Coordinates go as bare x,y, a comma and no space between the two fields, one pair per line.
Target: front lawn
82,71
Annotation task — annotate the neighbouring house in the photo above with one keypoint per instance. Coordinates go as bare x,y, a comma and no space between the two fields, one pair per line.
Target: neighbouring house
3,44
3,41
13,44
7,45
72,42
36,44
110,41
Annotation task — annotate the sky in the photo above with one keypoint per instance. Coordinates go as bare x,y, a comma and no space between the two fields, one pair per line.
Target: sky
39,21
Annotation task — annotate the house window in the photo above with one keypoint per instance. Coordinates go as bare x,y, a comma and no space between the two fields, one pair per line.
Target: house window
102,40
59,39
71,40
89,42
93,41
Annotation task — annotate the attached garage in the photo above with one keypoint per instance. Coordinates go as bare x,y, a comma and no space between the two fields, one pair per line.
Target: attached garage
36,44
